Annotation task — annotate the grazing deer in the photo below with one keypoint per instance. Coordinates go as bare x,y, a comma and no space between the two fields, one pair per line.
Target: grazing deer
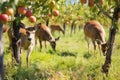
43,33
94,30
56,28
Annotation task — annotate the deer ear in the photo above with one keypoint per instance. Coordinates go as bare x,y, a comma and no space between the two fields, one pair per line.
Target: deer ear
56,39
27,33
37,26
23,31
98,41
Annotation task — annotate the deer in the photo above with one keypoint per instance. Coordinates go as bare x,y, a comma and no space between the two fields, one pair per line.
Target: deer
26,41
56,27
95,31
43,33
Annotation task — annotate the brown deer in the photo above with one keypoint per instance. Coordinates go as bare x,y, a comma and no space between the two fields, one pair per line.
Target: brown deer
94,30
56,27
43,33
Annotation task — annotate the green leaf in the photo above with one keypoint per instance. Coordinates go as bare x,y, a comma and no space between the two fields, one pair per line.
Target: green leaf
97,1
3,6
115,25
11,1
109,2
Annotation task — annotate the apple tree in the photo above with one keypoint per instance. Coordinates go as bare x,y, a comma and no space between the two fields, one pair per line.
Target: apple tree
6,9
10,10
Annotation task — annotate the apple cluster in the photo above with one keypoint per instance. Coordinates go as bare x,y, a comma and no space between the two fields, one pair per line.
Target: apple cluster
27,13
55,11
4,16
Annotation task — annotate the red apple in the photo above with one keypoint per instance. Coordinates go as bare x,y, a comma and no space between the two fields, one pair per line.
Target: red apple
10,11
55,12
21,10
4,18
32,19
49,15
28,13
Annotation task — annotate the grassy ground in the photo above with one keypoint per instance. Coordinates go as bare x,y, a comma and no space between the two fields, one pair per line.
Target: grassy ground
70,62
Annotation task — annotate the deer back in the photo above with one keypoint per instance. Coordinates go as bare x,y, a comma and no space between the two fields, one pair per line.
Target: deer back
56,27
94,30
43,32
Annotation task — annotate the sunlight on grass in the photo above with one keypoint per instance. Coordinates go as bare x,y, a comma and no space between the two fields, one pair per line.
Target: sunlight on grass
70,61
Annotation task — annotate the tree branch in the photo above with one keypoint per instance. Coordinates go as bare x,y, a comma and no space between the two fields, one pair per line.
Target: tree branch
101,9
117,2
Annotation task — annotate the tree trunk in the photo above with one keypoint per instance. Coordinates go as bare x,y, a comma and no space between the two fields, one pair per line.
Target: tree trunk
1,53
115,17
47,22
72,27
111,40
64,26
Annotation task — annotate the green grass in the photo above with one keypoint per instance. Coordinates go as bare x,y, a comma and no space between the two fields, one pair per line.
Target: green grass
70,61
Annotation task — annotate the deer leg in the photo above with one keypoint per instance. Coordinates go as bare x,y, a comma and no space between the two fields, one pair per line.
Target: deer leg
63,32
18,43
99,49
88,44
71,31
88,47
94,47
45,45
35,41
74,28
20,60
29,51
59,31
40,44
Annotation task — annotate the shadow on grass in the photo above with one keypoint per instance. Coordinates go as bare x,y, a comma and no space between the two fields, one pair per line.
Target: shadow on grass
68,53
63,53
51,51
87,55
